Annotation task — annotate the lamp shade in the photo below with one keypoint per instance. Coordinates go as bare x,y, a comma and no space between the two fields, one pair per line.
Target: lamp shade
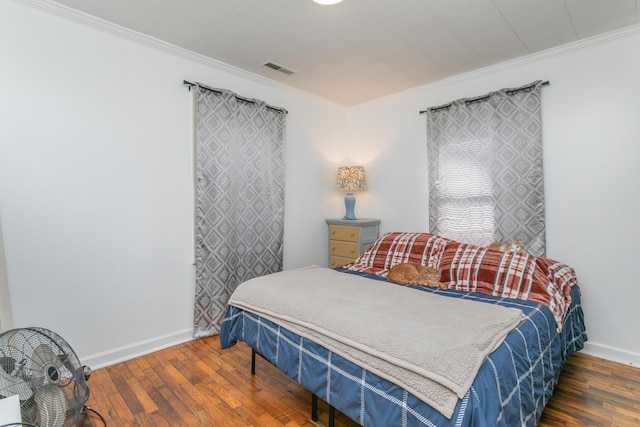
351,178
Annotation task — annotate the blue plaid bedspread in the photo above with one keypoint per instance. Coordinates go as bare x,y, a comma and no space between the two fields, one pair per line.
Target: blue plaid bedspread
512,387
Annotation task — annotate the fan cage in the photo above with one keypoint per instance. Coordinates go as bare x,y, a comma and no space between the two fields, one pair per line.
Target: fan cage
49,367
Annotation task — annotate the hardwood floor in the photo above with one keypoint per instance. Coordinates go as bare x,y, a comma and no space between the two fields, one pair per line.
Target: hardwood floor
198,384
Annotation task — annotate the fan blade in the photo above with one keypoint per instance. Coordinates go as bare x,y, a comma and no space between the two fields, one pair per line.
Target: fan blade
51,405
42,358
10,385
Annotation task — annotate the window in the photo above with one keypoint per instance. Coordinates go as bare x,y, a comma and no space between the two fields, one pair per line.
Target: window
464,190
485,169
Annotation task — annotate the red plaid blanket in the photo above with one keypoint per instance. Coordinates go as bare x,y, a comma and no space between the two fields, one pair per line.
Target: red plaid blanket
397,248
468,267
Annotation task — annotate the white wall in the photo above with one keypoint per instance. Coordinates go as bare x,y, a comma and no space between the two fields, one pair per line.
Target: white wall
591,120
6,318
96,180
95,176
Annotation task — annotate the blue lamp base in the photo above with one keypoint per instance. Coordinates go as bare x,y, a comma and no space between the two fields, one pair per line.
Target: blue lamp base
349,203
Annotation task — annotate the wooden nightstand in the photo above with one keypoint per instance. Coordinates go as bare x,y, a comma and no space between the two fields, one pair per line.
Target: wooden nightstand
349,238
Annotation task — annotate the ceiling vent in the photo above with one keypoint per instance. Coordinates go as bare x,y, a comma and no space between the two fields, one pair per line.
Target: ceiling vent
278,67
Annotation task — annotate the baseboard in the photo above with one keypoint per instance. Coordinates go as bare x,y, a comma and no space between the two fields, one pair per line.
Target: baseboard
611,353
111,357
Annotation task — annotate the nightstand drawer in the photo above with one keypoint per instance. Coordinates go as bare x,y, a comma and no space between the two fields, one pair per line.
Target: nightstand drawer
343,249
349,238
336,261
343,232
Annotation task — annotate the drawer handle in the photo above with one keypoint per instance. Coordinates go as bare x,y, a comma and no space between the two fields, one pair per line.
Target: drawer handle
353,234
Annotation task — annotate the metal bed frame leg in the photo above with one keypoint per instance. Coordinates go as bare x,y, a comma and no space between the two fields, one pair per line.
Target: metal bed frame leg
314,407
314,411
314,398
253,362
332,415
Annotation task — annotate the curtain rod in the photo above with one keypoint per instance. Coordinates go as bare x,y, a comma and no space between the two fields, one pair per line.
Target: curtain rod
238,97
485,97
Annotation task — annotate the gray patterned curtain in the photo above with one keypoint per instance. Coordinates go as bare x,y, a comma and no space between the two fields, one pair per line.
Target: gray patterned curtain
239,162
485,168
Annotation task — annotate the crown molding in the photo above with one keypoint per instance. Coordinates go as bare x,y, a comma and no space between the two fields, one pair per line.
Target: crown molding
102,25
562,50
99,24
108,27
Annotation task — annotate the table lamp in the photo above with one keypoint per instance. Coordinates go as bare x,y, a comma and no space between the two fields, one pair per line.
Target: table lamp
350,179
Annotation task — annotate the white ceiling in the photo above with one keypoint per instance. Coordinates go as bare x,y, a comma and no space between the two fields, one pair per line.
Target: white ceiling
360,50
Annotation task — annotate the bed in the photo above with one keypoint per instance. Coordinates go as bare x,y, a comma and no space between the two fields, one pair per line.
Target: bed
511,383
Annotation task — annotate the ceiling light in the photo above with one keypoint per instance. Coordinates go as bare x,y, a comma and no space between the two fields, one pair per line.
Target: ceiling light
327,2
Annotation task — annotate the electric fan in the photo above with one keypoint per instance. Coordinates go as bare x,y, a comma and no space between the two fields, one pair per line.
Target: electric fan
42,369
